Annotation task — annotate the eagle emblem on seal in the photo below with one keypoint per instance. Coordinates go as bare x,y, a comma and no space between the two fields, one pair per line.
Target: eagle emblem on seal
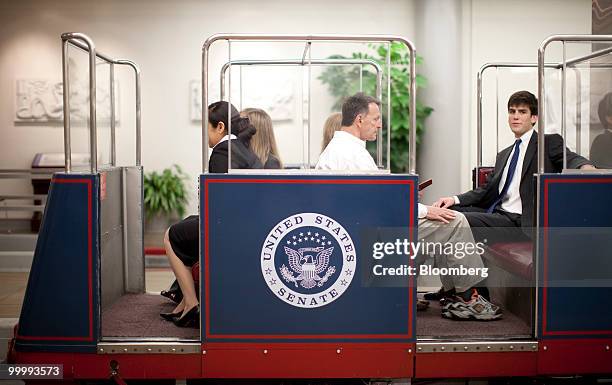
308,263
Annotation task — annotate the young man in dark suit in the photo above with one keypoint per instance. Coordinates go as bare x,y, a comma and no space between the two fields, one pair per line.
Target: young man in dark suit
503,208
508,200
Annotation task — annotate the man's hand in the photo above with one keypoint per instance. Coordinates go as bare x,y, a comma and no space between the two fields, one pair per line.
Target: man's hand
440,214
444,202
587,167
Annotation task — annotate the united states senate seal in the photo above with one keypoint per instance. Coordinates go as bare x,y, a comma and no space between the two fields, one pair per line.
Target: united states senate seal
308,260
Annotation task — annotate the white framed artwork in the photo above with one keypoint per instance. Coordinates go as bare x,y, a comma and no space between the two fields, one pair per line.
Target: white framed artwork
272,90
41,100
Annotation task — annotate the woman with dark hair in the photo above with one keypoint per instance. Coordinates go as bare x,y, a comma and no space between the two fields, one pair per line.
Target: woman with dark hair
242,132
181,241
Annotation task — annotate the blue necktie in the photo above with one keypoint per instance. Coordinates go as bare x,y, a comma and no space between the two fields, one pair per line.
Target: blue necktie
511,170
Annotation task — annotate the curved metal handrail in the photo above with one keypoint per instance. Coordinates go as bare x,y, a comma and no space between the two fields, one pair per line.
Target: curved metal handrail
310,38
85,43
541,81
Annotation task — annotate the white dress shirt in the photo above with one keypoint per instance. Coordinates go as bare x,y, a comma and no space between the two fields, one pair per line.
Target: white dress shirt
511,202
346,152
224,139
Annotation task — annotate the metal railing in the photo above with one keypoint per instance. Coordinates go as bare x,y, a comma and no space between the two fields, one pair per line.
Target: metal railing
563,65
24,174
510,65
85,43
311,62
308,39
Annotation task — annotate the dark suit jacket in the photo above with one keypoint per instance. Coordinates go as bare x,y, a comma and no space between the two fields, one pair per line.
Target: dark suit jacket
601,150
485,195
272,162
242,157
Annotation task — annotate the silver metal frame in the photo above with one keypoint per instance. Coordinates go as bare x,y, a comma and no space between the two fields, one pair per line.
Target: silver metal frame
541,81
308,39
479,78
298,62
85,43
25,174
542,116
309,62
477,347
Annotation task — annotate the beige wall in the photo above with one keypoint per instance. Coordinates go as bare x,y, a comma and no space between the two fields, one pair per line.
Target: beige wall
165,37
511,31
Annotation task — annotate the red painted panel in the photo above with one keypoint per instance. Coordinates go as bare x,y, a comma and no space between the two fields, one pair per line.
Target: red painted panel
131,366
463,365
545,331
576,356
65,359
287,360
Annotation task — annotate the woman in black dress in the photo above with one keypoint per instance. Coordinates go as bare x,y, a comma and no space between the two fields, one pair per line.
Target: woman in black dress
181,241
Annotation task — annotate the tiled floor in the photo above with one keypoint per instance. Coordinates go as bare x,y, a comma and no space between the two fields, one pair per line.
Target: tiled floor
158,279
12,290
13,286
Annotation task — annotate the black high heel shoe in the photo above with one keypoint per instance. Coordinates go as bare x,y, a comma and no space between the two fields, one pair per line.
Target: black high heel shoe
189,319
170,316
174,293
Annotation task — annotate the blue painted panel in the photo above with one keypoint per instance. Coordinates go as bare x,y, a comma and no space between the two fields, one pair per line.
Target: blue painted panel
242,218
60,310
574,260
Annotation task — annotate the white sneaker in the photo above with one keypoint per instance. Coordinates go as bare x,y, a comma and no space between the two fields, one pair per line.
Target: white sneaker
477,308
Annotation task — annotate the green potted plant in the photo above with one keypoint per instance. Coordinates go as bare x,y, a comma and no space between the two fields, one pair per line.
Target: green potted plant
165,200
344,80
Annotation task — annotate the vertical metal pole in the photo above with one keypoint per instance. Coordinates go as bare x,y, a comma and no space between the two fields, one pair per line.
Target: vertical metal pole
413,126
309,103
66,97
204,110
578,112
379,136
496,109
112,115
304,89
138,108
222,84
229,108
379,76
138,118
240,69
360,77
563,101
541,112
92,110
479,121
541,127
379,80
124,222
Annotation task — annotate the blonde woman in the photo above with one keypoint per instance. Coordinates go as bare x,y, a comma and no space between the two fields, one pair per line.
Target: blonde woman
332,124
263,143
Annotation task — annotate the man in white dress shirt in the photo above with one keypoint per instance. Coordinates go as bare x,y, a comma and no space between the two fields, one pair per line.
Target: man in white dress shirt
347,151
